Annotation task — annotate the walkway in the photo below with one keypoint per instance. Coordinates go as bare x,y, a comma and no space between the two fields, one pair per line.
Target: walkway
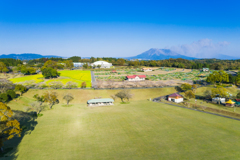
93,77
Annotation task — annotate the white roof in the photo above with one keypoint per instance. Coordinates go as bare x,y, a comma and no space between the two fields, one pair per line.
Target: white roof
100,62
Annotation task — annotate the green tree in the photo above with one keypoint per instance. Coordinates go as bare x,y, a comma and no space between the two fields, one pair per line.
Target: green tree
238,95
218,76
4,97
22,89
11,94
39,99
2,66
9,127
75,59
189,94
68,97
69,64
186,86
50,64
50,73
219,92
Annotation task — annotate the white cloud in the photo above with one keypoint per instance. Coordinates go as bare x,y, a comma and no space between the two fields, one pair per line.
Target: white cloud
203,48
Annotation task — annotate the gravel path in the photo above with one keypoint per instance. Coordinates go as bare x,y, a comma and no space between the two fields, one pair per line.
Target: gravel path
93,77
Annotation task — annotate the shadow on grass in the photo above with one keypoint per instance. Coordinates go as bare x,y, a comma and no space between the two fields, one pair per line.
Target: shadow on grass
28,122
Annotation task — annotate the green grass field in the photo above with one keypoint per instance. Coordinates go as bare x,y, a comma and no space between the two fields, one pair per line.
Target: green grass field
77,76
138,130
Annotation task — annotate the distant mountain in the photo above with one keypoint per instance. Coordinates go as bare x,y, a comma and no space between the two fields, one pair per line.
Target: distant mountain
159,54
221,56
26,56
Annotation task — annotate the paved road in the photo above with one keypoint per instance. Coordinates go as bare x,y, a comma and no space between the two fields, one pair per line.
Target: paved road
202,111
93,77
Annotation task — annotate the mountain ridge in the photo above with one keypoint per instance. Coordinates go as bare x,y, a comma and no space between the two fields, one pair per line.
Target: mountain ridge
26,56
161,54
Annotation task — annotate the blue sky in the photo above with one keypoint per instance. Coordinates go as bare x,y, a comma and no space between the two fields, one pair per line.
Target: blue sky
119,28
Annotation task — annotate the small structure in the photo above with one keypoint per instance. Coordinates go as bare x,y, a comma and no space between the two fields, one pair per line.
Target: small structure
113,71
230,103
146,69
136,78
100,102
218,100
177,98
205,69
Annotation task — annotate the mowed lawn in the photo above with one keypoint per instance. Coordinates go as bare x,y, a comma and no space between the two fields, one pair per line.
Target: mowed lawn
138,130
77,76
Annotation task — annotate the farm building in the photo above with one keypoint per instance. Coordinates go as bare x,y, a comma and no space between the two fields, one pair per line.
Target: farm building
77,64
230,103
136,78
102,64
205,69
177,98
100,102
218,99
146,69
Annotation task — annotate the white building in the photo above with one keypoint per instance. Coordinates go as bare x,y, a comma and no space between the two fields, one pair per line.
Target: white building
218,99
77,64
102,64
175,98
136,78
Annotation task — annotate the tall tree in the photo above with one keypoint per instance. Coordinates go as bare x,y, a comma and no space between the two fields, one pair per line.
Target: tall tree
8,127
51,98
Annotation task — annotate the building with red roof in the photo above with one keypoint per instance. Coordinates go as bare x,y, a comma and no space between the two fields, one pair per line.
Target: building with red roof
136,78
177,98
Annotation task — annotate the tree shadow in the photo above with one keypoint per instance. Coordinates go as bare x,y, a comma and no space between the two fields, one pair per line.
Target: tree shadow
28,122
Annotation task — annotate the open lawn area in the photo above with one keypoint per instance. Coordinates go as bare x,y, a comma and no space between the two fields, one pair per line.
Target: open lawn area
77,76
138,130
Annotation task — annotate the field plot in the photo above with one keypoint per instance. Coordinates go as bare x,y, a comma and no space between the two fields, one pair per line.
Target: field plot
139,130
77,76
155,75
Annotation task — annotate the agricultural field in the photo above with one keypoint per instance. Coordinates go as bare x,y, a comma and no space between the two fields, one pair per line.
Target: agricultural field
140,129
77,76
155,75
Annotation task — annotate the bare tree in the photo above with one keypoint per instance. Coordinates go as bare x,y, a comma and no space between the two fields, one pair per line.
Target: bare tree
124,94
56,85
113,97
71,84
68,97
36,106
